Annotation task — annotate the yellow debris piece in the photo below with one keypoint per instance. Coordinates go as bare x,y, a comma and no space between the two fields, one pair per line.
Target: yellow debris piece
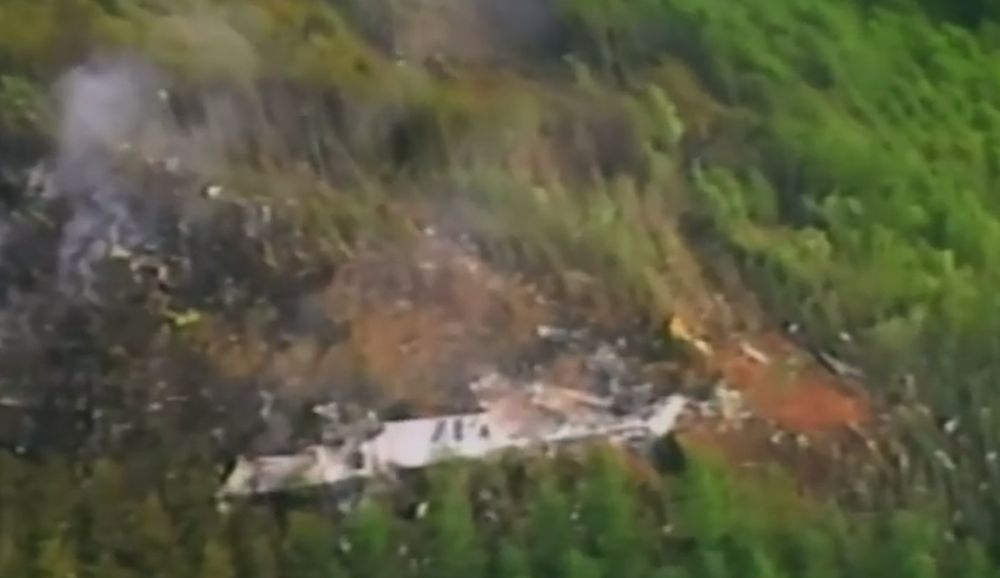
679,331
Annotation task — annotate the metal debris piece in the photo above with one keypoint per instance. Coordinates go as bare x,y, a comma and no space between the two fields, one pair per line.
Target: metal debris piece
554,333
211,192
945,460
510,419
754,353
841,368
730,402
679,331
118,252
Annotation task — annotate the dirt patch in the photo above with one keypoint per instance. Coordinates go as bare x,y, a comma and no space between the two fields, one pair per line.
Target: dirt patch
426,319
783,384
818,462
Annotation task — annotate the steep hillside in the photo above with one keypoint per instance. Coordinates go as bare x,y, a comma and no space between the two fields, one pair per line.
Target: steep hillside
218,213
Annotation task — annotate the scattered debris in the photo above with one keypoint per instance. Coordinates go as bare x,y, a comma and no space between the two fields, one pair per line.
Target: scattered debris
754,353
542,416
730,403
211,191
679,331
559,334
840,368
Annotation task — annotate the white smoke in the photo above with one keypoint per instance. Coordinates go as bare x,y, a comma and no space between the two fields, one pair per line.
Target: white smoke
105,107
116,128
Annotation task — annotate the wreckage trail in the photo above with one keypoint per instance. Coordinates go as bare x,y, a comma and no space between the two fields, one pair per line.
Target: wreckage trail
423,442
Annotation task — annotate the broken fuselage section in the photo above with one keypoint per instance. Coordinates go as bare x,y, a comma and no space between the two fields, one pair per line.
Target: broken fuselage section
536,416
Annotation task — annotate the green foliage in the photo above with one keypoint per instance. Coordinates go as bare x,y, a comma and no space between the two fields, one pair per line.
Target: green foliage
609,513
856,186
21,106
216,562
878,152
559,524
154,541
373,542
56,559
511,561
311,547
706,508
549,529
455,550
107,567
576,564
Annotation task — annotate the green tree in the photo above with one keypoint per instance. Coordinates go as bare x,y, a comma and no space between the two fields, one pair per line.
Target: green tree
53,500
12,558
975,562
262,559
154,543
256,542
108,567
549,531
311,548
511,561
107,503
56,559
612,524
576,564
710,562
373,543
669,572
216,561
705,505
760,564
185,498
910,546
810,552
454,546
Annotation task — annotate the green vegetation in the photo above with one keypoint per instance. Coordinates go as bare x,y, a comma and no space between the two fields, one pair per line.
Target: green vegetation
601,523
841,153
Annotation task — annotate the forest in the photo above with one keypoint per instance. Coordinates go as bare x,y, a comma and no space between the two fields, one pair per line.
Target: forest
207,203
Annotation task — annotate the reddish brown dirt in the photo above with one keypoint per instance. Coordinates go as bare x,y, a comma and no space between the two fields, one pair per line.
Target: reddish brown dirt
791,389
429,315
416,320
803,417
753,444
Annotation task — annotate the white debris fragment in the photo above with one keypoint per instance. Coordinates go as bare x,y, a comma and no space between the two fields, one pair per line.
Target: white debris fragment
510,419
754,353
549,332
172,165
212,191
945,460
116,251
730,403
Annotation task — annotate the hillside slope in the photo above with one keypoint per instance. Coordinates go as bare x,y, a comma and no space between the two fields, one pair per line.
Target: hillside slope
217,213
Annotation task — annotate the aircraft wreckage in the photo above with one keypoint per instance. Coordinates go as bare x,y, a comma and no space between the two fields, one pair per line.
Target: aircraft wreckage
509,419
